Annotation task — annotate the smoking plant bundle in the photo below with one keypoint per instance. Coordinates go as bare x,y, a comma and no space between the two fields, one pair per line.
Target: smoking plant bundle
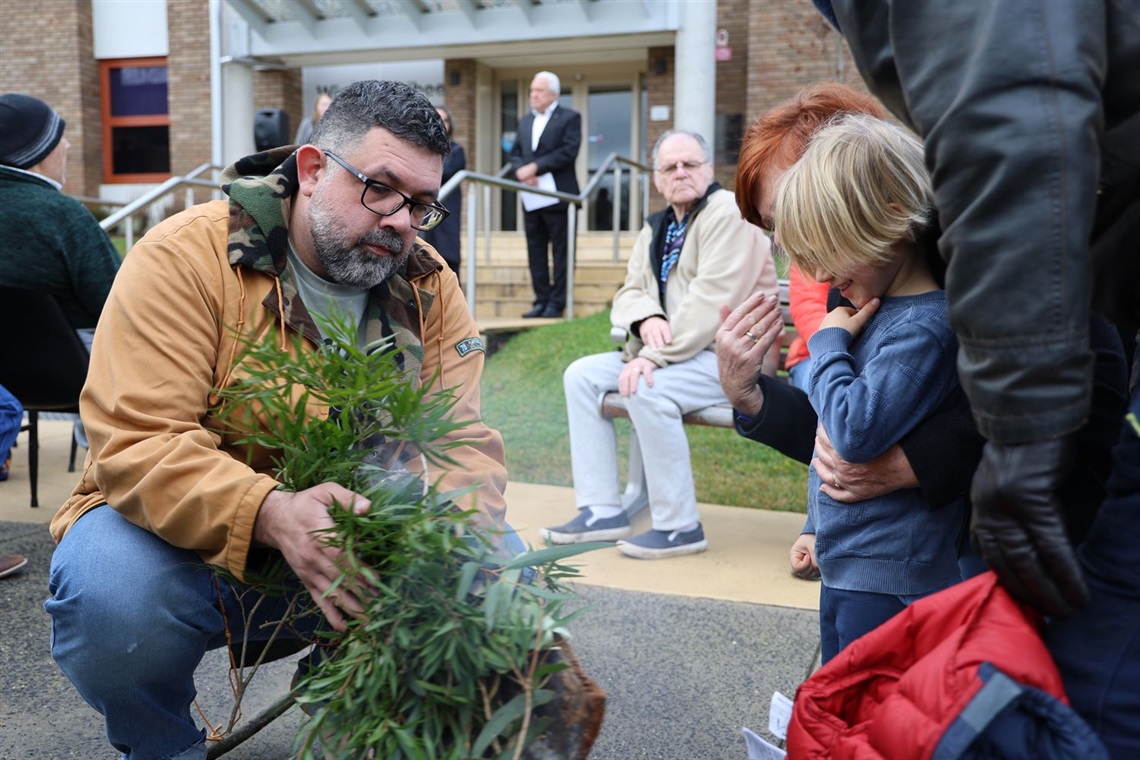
461,651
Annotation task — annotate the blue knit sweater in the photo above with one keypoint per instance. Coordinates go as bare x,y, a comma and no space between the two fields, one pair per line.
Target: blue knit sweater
869,392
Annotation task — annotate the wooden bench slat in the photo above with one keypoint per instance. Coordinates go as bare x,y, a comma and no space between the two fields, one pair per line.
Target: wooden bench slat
613,405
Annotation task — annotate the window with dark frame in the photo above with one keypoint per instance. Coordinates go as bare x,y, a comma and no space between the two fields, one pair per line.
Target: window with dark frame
136,120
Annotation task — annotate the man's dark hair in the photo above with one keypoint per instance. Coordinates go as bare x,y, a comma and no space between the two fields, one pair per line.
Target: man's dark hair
395,106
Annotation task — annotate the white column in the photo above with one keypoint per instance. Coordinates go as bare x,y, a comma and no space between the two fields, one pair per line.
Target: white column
694,81
237,112
237,109
216,100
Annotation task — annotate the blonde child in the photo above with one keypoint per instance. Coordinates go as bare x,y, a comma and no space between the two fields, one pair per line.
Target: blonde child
852,213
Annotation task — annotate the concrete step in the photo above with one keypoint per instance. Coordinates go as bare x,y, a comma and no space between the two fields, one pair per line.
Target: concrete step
583,291
589,246
513,309
503,286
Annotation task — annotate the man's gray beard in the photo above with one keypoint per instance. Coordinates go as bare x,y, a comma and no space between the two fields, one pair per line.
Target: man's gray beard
350,263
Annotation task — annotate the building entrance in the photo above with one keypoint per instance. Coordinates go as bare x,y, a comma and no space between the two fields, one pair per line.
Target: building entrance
613,121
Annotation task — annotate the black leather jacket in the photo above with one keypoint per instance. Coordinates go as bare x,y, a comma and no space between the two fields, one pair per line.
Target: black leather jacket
1030,111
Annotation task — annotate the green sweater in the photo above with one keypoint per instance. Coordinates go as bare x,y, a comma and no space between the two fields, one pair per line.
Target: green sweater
50,242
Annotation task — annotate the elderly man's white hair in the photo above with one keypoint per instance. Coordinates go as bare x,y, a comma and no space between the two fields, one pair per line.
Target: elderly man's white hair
552,81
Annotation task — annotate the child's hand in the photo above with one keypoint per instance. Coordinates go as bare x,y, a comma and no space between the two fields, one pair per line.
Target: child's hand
803,557
851,320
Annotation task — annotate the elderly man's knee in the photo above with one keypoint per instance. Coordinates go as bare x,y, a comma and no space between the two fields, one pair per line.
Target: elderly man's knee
589,371
653,400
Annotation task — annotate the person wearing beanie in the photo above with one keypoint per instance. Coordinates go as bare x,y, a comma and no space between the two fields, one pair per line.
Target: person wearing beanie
51,242
32,130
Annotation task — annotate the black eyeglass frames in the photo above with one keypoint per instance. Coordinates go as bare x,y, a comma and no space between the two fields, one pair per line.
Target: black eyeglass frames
688,166
385,201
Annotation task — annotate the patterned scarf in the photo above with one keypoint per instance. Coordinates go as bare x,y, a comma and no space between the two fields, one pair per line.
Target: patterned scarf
674,241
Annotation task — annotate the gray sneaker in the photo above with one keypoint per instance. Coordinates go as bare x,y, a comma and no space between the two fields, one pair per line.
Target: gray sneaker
658,544
585,528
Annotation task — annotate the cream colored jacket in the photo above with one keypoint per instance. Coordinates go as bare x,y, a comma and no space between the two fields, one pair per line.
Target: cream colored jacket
724,260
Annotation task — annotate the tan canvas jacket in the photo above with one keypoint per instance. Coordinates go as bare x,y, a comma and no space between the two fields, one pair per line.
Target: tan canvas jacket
166,340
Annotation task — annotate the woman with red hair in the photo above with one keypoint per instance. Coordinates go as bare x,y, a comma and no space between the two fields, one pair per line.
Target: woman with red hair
939,456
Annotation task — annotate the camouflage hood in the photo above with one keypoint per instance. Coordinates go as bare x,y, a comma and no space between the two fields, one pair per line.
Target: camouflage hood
261,188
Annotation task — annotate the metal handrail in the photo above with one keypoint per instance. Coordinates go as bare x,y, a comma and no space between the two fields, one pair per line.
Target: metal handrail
498,180
127,212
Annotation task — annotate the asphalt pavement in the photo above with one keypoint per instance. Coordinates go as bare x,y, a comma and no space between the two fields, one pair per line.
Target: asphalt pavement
688,650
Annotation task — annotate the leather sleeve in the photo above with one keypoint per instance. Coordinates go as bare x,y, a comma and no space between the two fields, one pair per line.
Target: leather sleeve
1008,103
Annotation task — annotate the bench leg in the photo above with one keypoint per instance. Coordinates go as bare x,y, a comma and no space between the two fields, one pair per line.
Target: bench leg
636,496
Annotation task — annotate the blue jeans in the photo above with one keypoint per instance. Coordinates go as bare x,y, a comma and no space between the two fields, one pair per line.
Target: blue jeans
846,615
11,417
132,617
1098,650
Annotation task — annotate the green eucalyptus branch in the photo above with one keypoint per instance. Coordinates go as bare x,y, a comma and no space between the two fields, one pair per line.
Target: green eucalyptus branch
454,652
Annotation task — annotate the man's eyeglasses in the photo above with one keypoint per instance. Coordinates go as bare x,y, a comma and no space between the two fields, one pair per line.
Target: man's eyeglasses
385,201
688,166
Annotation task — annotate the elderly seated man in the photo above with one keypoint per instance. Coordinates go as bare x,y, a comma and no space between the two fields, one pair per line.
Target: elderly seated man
690,259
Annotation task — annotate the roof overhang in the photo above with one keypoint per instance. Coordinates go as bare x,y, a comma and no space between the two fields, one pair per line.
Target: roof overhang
295,33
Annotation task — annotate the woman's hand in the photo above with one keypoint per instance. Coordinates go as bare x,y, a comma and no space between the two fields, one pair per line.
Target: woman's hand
744,338
849,482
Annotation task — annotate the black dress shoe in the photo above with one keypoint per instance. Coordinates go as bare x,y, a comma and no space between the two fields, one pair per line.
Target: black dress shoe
551,312
536,311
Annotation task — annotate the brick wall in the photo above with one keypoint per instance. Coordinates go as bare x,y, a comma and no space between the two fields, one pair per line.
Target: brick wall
460,100
732,82
282,89
47,51
777,46
188,86
659,89
792,46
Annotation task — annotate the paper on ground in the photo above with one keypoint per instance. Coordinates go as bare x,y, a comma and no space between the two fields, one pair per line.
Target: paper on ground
761,749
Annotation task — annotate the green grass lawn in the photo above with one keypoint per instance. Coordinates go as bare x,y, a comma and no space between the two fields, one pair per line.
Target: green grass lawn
522,397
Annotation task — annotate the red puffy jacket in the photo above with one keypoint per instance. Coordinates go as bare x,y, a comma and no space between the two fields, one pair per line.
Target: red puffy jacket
961,673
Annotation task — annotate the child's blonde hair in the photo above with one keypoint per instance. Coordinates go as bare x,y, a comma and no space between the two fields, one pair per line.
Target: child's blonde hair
860,187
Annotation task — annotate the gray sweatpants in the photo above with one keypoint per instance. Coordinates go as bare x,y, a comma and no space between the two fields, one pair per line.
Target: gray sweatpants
657,427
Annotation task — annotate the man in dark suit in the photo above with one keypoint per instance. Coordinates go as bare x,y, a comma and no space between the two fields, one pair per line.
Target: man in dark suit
546,148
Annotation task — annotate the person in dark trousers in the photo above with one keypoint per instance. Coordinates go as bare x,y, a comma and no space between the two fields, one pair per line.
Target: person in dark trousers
543,156
445,238
1031,117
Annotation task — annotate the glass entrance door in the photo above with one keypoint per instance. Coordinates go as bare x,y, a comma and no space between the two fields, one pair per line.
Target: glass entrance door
609,130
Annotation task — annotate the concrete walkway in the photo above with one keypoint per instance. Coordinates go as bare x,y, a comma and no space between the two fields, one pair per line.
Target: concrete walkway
688,649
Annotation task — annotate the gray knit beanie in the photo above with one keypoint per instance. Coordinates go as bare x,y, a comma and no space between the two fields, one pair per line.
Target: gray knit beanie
29,130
